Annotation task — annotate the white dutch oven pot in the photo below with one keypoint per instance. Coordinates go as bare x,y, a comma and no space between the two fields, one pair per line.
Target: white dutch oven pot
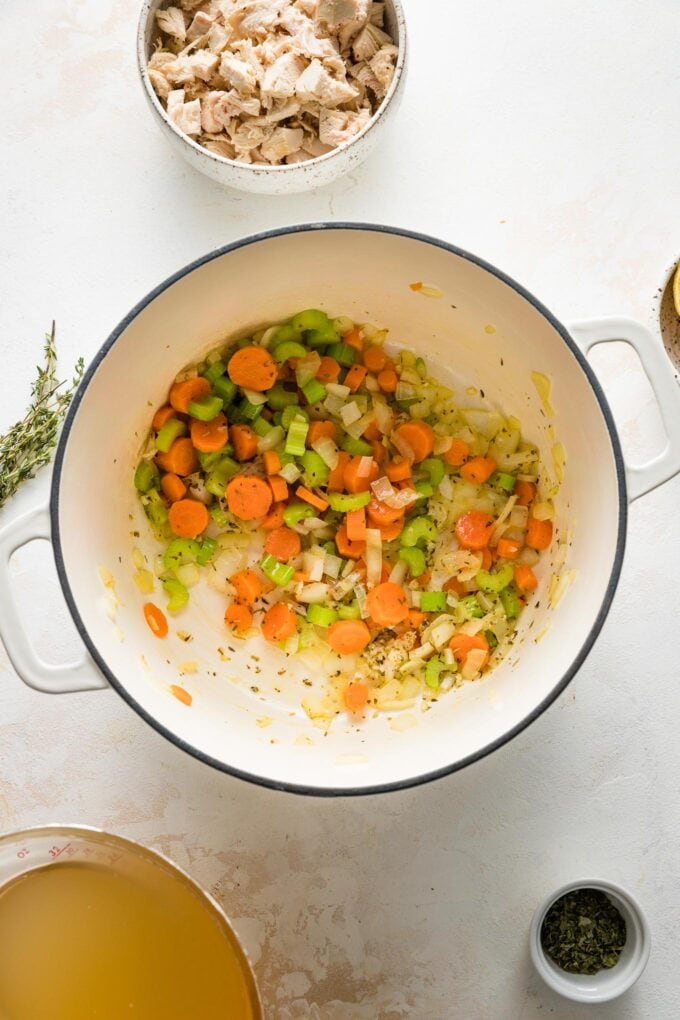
364,272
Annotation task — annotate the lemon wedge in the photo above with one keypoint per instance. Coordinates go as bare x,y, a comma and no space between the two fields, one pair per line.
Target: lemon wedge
676,289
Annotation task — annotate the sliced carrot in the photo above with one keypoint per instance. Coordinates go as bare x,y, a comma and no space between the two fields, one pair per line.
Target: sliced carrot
456,586
539,533
274,518
425,578
355,377
379,452
254,368
387,605
272,462
155,619
182,393
284,543
360,565
478,470
188,518
388,532
346,547
249,497
415,618
336,479
388,380
328,371
457,453
244,441
473,529
355,522
375,358
279,487
238,618
525,492
162,415
487,558
311,497
347,637
355,696
248,586
419,436
508,548
181,694
173,487
356,479
180,459
353,339
462,644
381,514
321,430
280,623
210,436
398,470
525,578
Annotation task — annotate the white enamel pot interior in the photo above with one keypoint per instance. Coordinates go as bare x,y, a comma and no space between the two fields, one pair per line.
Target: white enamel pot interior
246,718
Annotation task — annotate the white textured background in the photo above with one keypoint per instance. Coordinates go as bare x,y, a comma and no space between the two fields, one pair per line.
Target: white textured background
544,137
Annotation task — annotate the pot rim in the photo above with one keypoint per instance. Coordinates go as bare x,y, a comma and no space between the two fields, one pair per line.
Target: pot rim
425,777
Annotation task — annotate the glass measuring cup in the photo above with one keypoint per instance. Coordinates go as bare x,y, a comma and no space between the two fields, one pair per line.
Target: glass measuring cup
141,876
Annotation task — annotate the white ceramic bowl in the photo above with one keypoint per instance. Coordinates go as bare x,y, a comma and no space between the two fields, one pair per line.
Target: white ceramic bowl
486,331
278,180
607,984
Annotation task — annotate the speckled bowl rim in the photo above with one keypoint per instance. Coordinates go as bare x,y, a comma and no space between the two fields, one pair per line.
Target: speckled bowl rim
258,169
573,986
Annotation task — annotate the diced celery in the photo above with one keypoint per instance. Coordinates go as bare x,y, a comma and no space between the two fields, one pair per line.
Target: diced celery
178,596
146,476
356,447
172,430
433,601
344,503
315,469
321,616
414,559
418,532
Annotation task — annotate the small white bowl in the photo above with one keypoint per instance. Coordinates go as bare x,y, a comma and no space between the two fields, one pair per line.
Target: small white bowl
285,179
606,984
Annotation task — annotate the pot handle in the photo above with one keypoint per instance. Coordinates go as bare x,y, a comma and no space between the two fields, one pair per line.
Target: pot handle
79,676
644,477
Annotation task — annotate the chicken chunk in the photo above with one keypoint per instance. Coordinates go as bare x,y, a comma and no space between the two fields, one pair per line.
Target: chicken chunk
201,25
218,37
368,42
211,121
159,83
257,18
383,65
280,79
186,116
203,64
237,73
342,18
338,126
281,143
171,21
316,85
179,72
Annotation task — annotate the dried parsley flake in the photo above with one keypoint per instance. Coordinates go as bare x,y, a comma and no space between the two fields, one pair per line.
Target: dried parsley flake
583,932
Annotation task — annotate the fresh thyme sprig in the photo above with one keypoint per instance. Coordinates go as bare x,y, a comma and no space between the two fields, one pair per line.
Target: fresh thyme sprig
28,444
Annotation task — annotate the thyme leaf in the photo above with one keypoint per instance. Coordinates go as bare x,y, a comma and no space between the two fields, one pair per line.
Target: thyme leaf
27,445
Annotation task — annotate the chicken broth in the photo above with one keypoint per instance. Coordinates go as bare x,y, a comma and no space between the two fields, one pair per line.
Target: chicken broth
81,940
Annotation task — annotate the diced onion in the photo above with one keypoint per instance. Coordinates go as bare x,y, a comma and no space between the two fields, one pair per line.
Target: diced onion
528,556
327,450
254,397
543,511
364,467
373,556
272,439
290,472
343,325
401,498
442,444
408,375
347,569
500,523
189,574
357,428
474,661
268,336
446,487
519,516
449,657
332,566
441,631
360,595
403,447
405,391
398,572
306,368
383,415
345,586
334,404
424,652
372,384
383,488
314,593
313,564
350,413
338,390
138,559
312,524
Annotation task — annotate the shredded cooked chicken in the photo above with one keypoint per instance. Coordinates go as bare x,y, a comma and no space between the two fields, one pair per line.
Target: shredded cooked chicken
272,81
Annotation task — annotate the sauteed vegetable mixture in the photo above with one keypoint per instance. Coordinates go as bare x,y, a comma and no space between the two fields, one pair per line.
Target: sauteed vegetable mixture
341,498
